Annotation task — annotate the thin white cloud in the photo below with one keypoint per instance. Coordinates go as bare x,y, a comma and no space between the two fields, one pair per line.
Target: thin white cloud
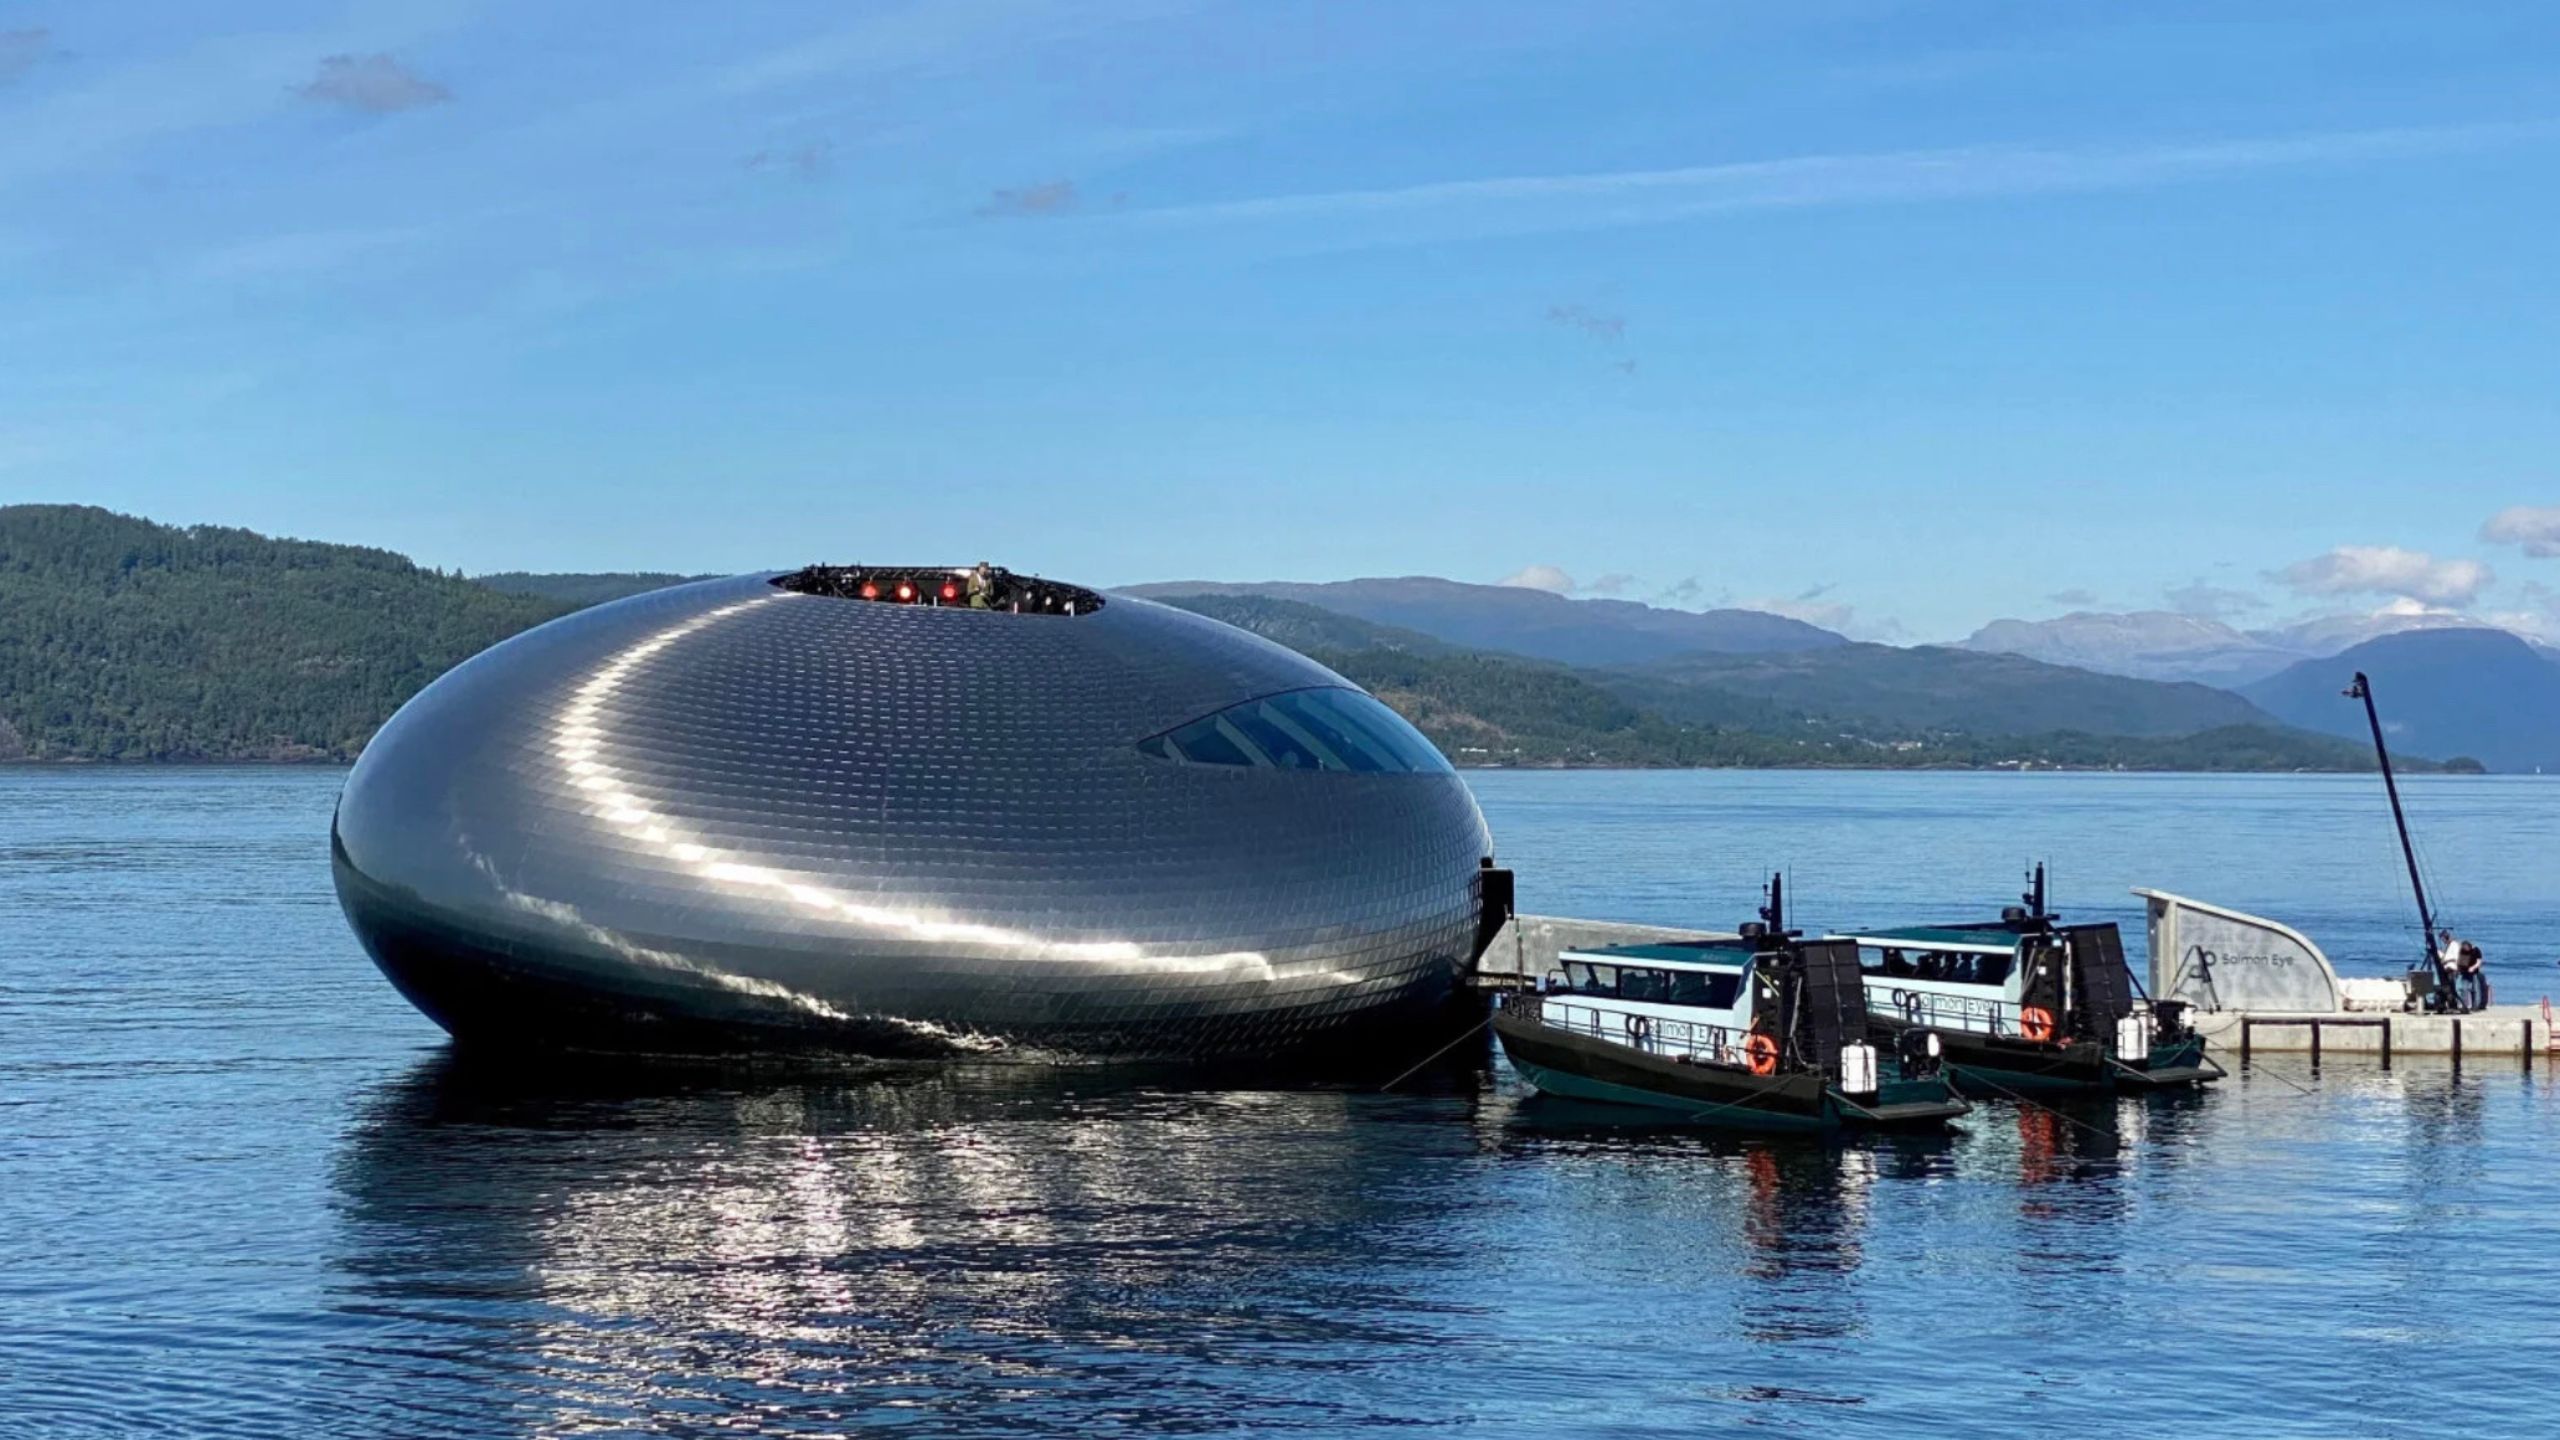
2209,601
374,84
1045,200
1814,606
1540,577
2387,570
1608,329
2534,528
1627,197
20,50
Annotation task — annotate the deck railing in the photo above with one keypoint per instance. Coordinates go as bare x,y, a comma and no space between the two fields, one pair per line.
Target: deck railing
1969,1013
1654,1035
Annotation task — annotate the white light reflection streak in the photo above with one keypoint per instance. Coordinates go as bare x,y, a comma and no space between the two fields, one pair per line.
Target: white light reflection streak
578,740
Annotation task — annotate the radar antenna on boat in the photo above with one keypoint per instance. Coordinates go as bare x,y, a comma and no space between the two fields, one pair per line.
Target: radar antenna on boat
2029,913
1773,911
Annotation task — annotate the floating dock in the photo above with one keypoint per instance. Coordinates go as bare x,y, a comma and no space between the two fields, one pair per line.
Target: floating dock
2255,986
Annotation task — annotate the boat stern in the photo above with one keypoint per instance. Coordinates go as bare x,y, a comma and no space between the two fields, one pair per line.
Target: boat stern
2171,1063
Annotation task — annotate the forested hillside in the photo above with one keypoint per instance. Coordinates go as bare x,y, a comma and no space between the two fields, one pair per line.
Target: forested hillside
125,640
1484,709
580,590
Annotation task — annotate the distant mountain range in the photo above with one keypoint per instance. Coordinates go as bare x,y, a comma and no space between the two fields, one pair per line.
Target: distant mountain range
2167,645
2481,693
1846,705
121,639
1527,622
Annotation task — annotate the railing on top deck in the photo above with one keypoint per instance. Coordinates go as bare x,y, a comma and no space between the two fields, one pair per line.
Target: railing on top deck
1672,1039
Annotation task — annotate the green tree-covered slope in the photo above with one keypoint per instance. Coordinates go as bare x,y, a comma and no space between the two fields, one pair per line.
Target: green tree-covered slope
580,590
121,639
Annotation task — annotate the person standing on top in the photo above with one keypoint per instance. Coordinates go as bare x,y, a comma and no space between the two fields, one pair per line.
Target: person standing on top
2461,962
982,587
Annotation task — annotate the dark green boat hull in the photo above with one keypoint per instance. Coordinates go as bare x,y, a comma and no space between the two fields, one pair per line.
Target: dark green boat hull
2000,1067
1579,1067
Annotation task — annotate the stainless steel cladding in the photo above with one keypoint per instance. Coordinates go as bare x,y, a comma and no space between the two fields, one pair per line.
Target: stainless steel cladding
734,813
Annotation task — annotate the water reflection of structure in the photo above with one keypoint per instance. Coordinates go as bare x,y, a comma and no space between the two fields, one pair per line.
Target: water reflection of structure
537,1255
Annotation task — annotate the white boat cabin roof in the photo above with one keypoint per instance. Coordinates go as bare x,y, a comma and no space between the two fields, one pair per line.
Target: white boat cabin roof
1719,956
1938,938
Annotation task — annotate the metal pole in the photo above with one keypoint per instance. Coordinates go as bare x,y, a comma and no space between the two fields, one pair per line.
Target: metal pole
2363,690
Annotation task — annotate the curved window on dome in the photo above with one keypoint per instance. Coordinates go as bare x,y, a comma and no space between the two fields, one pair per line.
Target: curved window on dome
1321,729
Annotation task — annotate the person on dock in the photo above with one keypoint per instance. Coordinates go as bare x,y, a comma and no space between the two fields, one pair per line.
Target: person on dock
2465,972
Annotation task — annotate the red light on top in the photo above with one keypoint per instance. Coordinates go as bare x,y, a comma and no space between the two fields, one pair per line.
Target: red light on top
950,591
906,591
870,591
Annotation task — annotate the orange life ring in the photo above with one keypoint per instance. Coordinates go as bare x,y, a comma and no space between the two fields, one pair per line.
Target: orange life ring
2036,1023
1761,1052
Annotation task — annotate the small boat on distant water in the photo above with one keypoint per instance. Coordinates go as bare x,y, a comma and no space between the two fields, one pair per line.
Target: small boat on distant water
1767,1031
2027,1004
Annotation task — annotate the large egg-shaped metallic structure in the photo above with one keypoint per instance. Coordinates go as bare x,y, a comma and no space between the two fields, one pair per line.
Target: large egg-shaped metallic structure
850,808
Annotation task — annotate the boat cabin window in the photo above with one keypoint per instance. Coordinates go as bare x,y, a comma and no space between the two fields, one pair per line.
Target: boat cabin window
1715,989
1970,968
1697,987
1584,978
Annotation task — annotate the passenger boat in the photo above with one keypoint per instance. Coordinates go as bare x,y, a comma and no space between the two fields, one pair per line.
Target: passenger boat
2027,1004
1767,1031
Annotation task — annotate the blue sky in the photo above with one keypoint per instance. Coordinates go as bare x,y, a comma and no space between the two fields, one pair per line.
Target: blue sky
1900,317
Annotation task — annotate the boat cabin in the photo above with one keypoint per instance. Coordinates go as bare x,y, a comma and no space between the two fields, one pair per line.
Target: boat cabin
1765,1029
1688,999
1948,978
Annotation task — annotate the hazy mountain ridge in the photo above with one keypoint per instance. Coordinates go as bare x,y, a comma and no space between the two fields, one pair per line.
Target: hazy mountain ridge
2147,644
122,639
1937,688
1534,623
2480,693
1487,708
2171,645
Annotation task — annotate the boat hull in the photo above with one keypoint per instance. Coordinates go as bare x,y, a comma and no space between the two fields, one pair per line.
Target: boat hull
1580,1067
2173,1065
2001,1067
1996,1066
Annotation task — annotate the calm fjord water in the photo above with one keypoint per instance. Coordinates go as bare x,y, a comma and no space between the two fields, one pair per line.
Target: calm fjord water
243,1189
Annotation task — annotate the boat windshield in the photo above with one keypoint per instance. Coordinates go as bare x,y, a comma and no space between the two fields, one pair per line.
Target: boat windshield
1950,967
1711,989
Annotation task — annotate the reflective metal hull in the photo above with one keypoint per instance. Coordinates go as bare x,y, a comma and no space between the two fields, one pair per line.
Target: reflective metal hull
726,815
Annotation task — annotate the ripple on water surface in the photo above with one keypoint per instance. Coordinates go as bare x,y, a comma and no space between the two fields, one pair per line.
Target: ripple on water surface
244,1191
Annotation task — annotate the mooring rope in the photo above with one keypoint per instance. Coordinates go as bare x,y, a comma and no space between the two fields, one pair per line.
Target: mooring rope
1472,1031
1972,1076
